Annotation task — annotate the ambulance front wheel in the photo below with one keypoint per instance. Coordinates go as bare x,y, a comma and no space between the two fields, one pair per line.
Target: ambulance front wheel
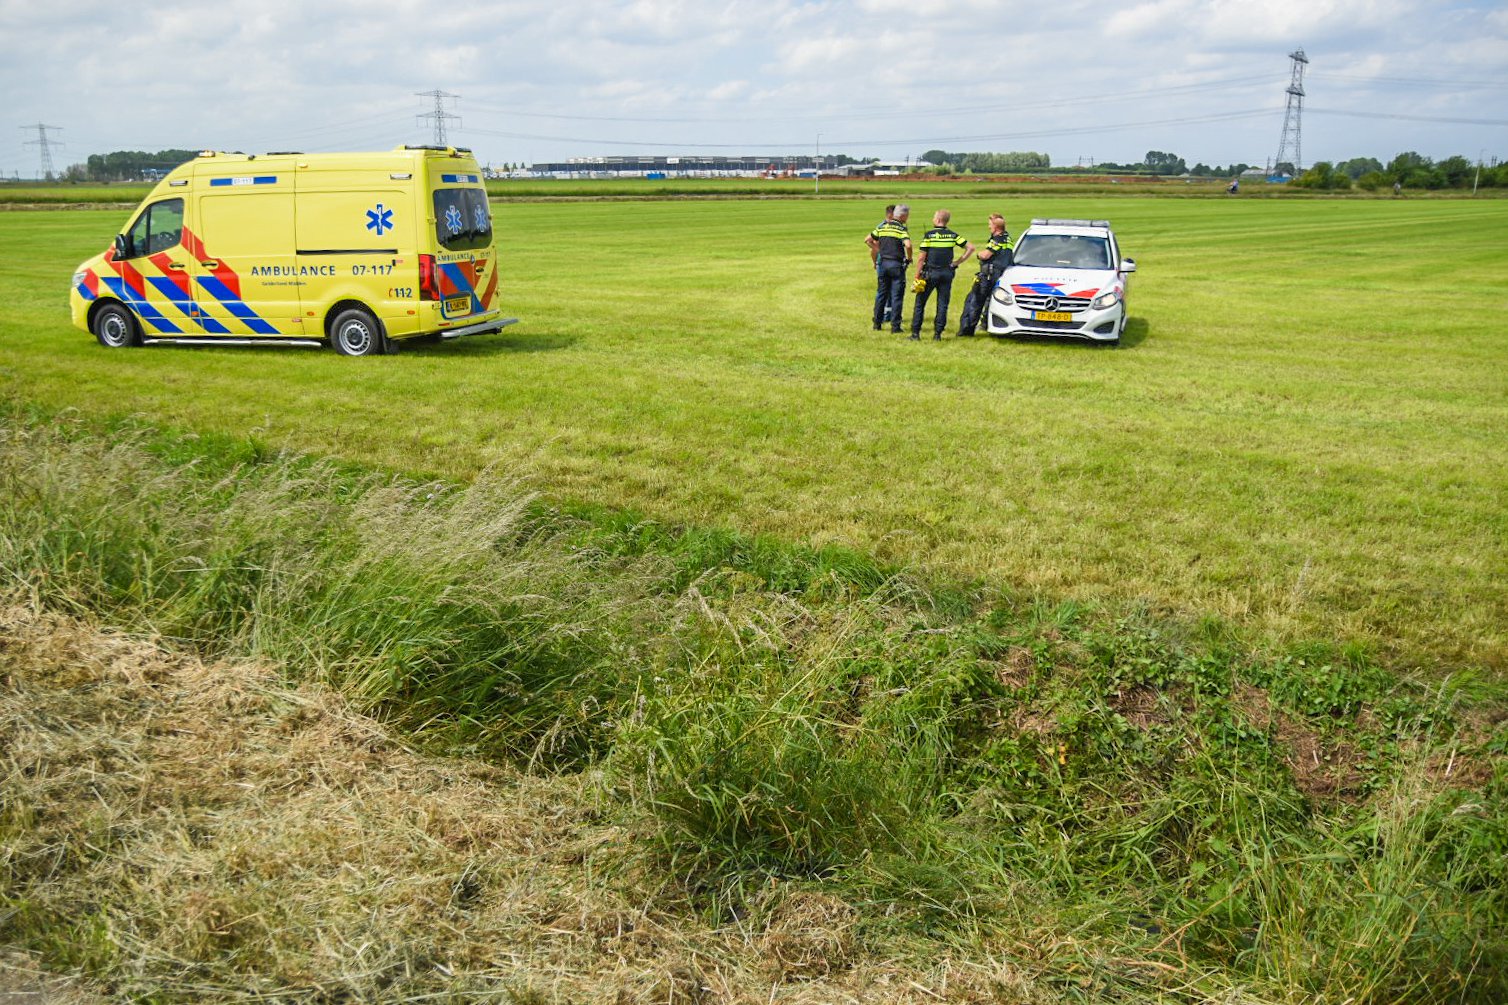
115,328
355,332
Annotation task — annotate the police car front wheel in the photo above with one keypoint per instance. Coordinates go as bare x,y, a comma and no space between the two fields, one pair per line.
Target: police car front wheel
355,332
115,328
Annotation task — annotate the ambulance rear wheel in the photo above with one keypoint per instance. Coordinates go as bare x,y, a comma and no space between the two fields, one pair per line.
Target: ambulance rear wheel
355,332
115,328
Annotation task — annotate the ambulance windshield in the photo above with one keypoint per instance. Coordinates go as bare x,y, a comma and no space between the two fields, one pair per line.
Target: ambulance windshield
463,221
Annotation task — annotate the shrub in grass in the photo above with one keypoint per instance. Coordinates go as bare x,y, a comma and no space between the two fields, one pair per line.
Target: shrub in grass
1393,906
827,741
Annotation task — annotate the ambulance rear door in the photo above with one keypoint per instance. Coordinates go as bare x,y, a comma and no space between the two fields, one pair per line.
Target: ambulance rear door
465,266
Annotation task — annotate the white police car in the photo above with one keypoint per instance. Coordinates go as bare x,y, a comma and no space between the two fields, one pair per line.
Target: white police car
1066,278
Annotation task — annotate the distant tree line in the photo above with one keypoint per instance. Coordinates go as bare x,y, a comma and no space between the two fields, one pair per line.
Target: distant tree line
1409,169
944,162
1160,162
129,165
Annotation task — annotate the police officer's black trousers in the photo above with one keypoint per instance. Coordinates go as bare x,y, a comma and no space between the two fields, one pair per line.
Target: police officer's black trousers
978,301
940,280
890,292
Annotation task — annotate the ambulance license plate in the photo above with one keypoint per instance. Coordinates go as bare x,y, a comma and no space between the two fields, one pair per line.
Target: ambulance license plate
460,305
1051,316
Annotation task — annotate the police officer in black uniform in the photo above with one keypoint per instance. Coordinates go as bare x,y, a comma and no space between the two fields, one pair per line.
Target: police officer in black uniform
936,269
993,259
890,251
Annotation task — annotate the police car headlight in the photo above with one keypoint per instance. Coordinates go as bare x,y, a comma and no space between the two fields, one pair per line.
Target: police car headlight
1003,296
1107,299
78,277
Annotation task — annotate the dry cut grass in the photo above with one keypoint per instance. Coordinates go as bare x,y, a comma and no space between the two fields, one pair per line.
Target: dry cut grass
203,832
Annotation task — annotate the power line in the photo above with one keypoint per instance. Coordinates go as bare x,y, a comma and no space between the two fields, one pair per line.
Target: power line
1412,81
893,113
1409,118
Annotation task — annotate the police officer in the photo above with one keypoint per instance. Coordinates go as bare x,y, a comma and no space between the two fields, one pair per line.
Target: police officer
993,259
936,269
890,251
882,294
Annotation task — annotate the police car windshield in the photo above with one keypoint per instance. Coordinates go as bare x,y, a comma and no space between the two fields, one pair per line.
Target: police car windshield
463,220
1063,251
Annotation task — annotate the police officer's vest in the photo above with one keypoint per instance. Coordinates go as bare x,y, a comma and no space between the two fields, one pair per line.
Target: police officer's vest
892,236
998,247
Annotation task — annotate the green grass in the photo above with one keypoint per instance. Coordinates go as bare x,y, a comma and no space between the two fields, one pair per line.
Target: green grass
1129,806
60,194
1303,436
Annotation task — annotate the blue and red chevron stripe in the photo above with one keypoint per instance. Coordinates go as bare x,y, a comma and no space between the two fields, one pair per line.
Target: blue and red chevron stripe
174,286
459,279
128,285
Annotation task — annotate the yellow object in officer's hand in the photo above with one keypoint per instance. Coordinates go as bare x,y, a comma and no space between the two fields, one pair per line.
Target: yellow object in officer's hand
918,285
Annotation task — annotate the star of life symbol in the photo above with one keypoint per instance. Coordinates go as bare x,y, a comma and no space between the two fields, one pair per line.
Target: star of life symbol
453,220
481,218
379,219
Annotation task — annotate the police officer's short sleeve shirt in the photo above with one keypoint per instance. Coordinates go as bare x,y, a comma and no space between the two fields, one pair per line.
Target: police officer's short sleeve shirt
938,244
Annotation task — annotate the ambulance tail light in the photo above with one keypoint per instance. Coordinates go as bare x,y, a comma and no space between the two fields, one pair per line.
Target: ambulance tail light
429,278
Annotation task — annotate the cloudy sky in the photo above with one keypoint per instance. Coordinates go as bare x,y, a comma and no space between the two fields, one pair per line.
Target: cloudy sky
551,79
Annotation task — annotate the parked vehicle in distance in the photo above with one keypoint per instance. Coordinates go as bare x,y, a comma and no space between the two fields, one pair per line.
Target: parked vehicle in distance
1066,278
357,250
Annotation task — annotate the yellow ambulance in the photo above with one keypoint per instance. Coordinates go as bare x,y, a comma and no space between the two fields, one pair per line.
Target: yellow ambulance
357,250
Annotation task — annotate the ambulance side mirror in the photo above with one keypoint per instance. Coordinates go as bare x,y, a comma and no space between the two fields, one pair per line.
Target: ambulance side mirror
120,246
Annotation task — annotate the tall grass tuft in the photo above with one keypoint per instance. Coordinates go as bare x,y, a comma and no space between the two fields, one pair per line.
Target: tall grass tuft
445,608
1404,904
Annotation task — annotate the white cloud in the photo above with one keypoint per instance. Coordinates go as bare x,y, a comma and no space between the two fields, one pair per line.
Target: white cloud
893,76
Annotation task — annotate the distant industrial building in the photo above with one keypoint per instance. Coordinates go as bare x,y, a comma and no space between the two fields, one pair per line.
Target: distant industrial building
752,166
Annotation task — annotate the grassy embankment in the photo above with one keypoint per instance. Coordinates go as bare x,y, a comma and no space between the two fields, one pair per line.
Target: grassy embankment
1303,437
755,772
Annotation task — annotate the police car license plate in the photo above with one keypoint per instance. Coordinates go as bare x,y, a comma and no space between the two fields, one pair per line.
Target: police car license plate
457,305
1051,316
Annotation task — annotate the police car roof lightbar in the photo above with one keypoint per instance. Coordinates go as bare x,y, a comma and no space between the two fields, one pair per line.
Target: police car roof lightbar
1059,222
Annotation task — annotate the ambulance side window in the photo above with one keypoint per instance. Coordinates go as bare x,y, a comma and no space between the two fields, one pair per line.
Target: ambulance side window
158,228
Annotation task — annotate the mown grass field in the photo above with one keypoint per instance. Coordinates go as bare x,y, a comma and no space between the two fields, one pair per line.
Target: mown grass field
1303,435
1165,674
